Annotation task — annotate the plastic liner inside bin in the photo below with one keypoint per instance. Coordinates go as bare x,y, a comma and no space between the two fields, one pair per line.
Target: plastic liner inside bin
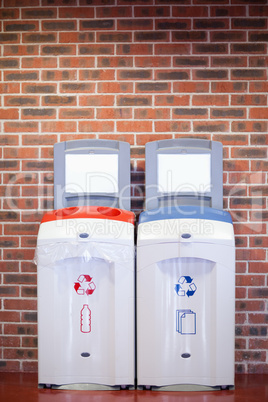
50,253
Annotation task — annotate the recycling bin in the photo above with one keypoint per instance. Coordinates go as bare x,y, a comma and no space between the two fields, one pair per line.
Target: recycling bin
85,269
185,299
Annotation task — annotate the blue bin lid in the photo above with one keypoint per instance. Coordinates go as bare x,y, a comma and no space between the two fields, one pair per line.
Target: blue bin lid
185,212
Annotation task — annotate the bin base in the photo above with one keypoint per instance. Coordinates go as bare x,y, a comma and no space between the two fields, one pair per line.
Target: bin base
84,387
187,387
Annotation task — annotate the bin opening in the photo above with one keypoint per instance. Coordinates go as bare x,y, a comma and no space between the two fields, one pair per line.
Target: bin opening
109,211
66,211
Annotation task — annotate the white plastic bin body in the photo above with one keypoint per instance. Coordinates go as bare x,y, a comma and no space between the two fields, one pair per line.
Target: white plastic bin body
85,261
185,298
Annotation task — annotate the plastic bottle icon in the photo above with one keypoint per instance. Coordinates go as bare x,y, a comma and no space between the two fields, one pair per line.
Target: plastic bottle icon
85,319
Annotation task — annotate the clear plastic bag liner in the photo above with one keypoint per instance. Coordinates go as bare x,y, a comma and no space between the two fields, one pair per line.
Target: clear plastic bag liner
48,254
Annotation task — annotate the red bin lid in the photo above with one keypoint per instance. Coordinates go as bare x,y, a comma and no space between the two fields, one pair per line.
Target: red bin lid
90,212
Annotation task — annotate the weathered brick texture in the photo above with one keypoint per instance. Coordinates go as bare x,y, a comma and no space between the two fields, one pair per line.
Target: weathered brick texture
137,71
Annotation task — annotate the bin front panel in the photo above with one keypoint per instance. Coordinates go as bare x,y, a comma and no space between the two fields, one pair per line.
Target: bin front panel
185,323
82,304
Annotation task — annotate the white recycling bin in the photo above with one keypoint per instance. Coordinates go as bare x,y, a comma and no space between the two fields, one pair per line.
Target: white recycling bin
85,267
185,299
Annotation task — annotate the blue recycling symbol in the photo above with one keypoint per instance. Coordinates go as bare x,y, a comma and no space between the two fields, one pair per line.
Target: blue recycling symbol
185,286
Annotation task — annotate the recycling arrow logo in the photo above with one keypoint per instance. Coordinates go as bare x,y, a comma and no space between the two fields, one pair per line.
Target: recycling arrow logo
185,286
84,285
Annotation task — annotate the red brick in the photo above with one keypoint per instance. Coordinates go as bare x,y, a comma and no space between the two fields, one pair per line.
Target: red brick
173,24
259,343
255,293
260,266
114,113
58,50
76,62
249,74
100,49
113,62
21,50
9,291
77,87
134,126
9,13
97,75
172,126
249,99
96,126
252,356
76,12
10,341
9,88
39,38
190,11
135,24
9,114
96,100
249,280
30,366
20,26
38,113
21,100
115,87
55,100
172,49
250,23
191,87
10,366
231,139
229,61
155,114
35,13
22,254
11,63
259,165
8,316
113,12
58,75
241,177
134,49
58,126
210,100
134,100
258,113
39,140
153,87
219,11
240,318
225,113
258,61
76,113
190,113
76,37
20,153
113,37
258,10
21,178
172,100
212,23
249,126
228,87
250,228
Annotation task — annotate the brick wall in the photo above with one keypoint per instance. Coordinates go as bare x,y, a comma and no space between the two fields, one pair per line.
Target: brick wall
132,70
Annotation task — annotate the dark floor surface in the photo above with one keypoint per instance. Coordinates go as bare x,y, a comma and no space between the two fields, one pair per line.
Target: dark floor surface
22,387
